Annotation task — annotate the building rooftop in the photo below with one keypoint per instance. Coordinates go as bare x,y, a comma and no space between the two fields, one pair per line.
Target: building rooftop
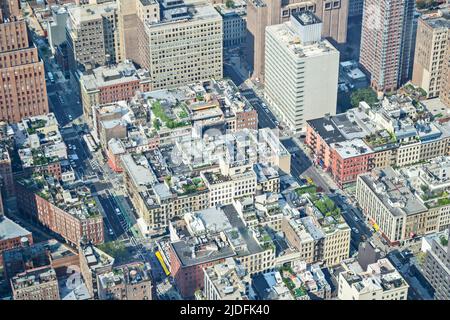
178,11
351,148
72,198
33,278
390,187
132,273
89,12
380,275
306,18
121,73
11,230
287,36
229,279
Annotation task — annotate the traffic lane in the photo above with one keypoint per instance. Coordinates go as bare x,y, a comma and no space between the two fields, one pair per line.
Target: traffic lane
349,216
264,117
111,214
57,109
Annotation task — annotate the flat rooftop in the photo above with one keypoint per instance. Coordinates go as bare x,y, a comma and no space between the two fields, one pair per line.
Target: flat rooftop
390,188
326,129
183,250
89,12
285,35
306,18
10,230
113,75
352,148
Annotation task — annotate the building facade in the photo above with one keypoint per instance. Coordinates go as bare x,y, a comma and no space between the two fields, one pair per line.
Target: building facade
260,14
92,35
301,71
387,42
23,90
437,264
431,55
183,48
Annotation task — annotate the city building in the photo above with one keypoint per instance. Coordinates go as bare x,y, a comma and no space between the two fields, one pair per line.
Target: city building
270,286
10,8
109,84
403,206
263,13
397,131
23,90
37,284
302,71
93,262
56,27
12,235
6,173
234,23
387,43
92,35
68,210
127,282
225,281
132,14
40,146
355,8
174,61
432,54
208,237
51,253
437,263
381,281
321,236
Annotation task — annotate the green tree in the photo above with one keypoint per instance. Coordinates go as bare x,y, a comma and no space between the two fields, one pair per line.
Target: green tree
229,3
365,94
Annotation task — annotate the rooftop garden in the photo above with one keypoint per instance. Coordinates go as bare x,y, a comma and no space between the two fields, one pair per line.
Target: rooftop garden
163,118
381,138
434,199
39,158
327,207
37,124
309,189
296,290
192,186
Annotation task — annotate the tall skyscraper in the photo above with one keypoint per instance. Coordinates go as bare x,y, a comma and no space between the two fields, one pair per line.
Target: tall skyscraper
301,71
92,35
387,42
132,14
10,8
263,13
184,46
23,92
432,54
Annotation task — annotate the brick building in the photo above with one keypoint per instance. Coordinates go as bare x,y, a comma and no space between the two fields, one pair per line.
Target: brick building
23,89
69,211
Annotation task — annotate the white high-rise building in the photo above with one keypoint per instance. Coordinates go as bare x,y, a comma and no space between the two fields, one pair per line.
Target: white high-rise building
301,71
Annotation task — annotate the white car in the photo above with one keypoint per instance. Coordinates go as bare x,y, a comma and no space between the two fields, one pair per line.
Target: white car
111,232
355,230
118,211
